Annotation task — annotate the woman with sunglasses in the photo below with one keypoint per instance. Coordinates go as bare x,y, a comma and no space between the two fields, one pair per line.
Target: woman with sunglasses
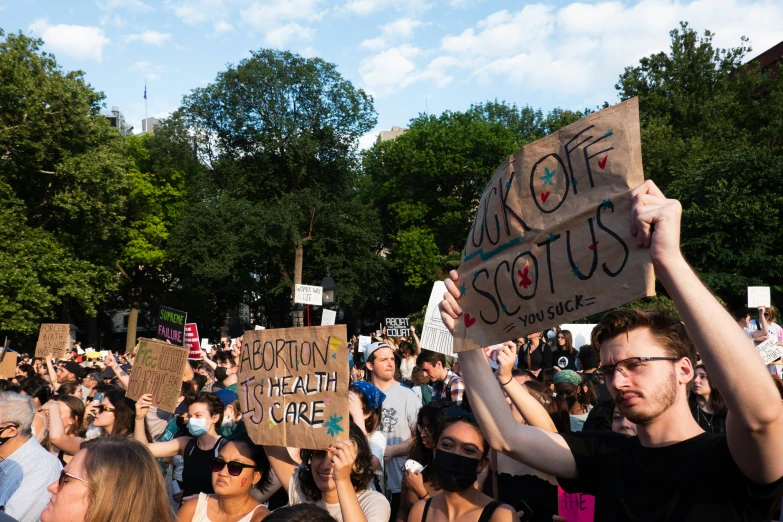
420,484
336,479
564,356
460,455
239,467
110,479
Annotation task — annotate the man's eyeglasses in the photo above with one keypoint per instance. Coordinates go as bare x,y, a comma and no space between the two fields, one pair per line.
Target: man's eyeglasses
64,475
628,367
234,468
101,408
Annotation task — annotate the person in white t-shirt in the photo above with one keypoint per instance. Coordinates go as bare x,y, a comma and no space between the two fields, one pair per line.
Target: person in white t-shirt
336,479
364,404
758,334
776,333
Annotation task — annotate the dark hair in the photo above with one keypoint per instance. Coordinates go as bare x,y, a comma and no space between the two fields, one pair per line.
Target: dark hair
431,414
668,331
588,358
4,384
124,413
224,356
38,391
77,412
27,369
450,421
407,349
200,380
740,313
370,423
569,340
547,376
715,400
523,372
553,403
213,402
361,474
257,455
428,356
299,513
587,397
68,387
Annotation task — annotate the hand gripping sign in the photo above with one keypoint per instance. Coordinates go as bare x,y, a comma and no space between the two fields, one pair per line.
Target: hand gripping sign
551,239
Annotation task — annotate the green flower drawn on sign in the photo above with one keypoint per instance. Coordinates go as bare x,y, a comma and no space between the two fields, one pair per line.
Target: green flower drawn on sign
333,427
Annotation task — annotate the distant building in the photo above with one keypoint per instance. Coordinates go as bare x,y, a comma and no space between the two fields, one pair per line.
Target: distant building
769,60
149,124
117,120
395,132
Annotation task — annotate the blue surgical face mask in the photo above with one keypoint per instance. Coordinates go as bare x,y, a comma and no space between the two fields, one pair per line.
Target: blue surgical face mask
197,427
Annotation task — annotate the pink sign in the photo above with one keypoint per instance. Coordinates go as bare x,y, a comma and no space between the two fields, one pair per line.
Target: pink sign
192,342
575,507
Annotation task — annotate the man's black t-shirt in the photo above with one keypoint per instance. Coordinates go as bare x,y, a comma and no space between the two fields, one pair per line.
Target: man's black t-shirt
694,480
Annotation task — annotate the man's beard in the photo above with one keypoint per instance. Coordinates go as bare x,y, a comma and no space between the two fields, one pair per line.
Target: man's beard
654,405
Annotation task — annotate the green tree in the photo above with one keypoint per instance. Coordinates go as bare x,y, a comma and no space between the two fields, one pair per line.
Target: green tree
62,190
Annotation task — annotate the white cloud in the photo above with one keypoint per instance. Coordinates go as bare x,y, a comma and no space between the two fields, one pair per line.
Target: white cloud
76,41
221,26
367,7
395,68
271,15
136,6
397,31
282,35
369,139
193,12
149,37
147,70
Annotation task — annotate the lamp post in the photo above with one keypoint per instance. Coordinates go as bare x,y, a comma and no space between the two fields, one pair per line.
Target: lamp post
330,289
298,314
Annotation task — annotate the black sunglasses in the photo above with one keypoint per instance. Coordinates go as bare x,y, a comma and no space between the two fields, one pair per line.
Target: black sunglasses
234,468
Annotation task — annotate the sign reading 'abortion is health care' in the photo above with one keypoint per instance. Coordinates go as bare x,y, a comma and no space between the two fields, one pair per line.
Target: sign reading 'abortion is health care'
293,386
551,239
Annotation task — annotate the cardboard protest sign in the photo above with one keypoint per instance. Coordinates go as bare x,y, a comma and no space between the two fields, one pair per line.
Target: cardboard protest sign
306,294
434,335
398,327
328,317
770,351
53,340
293,386
759,296
158,369
191,341
551,240
8,365
171,325
575,507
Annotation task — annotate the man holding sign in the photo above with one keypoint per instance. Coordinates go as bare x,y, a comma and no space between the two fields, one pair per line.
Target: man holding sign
647,361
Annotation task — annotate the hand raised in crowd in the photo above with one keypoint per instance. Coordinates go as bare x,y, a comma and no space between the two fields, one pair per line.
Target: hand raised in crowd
655,221
449,309
143,405
415,482
343,457
506,357
110,361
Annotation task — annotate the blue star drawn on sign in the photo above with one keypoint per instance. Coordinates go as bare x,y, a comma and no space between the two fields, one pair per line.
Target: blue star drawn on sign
606,204
547,177
334,356
505,310
574,182
262,382
333,427
462,289
508,184
575,271
552,238
608,133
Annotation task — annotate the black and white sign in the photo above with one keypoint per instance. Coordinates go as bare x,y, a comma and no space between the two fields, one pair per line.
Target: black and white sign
311,295
398,327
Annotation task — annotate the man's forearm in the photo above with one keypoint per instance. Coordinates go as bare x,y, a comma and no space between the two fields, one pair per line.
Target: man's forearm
403,448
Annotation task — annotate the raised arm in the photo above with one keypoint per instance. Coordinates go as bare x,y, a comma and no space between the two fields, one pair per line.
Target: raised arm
417,343
531,410
282,464
754,426
111,362
57,435
158,449
52,373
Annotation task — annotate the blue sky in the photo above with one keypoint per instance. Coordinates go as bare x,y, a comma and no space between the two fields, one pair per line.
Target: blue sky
409,54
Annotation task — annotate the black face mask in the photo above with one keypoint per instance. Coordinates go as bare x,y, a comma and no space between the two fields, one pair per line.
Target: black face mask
221,373
181,423
570,401
455,472
3,440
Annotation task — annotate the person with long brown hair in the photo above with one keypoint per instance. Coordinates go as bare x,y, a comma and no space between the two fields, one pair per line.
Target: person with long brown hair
706,402
111,479
564,356
65,420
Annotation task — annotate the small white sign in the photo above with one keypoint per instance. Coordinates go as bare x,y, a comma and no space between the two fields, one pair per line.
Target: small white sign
770,351
312,295
328,317
364,342
758,296
205,343
259,327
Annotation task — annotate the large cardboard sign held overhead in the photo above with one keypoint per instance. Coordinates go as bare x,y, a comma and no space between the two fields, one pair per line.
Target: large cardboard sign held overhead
171,325
551,239
158,369
53,340
293,386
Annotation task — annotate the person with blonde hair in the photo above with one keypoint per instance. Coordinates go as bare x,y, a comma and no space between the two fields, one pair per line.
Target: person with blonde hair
111,479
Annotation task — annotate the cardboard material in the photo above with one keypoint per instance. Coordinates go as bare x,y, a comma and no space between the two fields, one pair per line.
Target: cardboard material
551,241
171,325
770,351
293,386
575,507
328,317
434,335
8,365
191,341
759,296
158,369
306,294
53,340
398,327
4,348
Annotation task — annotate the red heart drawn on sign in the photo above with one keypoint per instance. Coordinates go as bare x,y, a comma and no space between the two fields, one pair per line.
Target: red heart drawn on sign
469,321
594,245
602,162
544,196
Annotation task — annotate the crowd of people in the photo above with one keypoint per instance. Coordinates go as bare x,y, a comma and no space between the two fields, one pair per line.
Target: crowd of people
659,419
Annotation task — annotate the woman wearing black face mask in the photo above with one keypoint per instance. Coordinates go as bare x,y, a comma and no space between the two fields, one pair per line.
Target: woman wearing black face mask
460,455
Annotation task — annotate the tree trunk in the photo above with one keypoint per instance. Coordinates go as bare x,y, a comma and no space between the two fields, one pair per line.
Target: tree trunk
130,339
298,261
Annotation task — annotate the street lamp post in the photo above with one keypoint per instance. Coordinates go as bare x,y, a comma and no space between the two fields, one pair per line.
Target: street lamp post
330,289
